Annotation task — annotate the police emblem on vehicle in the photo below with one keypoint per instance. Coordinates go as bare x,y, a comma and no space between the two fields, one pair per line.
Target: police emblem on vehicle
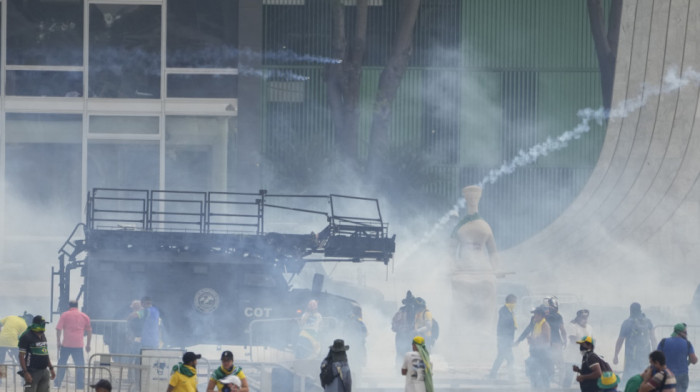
206,300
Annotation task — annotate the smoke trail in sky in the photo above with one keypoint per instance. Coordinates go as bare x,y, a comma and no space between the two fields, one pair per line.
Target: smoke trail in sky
272,73
672,81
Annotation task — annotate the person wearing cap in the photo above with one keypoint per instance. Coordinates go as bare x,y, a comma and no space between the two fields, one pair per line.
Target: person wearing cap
184,377
11,327
227,369
578,327
73,325
102,386
337,362
608,382
637,334
657,377
590,370
34,358
679,354
418,368
539,365
402,324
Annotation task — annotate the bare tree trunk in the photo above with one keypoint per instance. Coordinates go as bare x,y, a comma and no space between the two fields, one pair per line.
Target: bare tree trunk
389,82
605,44
343,79
353,72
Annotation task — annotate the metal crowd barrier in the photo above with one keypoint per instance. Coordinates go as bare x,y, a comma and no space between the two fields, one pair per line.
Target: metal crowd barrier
274,340
133,372
11,381
110,336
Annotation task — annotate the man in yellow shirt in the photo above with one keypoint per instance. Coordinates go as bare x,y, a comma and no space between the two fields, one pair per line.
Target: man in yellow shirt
184,377
11,327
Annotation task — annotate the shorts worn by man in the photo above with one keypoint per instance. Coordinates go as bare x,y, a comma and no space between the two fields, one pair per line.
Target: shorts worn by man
679,353
34,357
72,326
224,372
11,327
184,377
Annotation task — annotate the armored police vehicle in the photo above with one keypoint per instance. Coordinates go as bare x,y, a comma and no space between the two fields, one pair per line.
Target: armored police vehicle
219,266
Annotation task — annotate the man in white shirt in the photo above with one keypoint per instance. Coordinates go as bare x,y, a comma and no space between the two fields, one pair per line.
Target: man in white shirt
417,368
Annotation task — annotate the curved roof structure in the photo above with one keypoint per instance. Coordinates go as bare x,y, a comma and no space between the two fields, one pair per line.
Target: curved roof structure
642,197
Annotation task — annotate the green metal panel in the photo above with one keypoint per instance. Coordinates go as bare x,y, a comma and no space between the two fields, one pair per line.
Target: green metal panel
368,91
541,34
560,96
407,113
481,119
522,69
297,135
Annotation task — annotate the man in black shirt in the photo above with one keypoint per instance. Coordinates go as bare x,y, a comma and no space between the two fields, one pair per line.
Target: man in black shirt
506,334
590,369
34,357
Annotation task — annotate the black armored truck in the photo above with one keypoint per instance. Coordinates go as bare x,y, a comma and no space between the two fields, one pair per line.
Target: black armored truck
219,266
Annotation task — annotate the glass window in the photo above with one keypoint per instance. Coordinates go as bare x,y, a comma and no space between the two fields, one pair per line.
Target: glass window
304,29
202,33
43,173
44,83
202,86
45,32
124,51
135,125
123,164
196,152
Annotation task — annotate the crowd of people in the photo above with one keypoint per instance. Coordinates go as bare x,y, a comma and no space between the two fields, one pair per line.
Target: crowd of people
648,365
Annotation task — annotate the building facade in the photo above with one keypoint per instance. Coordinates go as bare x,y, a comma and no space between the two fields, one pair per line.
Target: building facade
216,95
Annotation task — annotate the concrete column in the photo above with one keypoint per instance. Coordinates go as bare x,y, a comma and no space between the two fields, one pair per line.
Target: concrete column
245,175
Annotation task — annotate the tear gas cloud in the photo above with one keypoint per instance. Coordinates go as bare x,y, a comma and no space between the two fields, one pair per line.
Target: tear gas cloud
422,257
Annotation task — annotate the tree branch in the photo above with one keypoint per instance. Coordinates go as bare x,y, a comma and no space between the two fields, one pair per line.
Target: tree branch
390,80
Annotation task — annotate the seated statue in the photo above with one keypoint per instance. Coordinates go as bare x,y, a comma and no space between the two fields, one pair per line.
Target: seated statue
472,237
475,263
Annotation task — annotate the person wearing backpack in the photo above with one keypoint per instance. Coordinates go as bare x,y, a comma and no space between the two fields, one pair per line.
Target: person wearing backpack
335,371
637,334
592,366
679,354
402,324
423,322
657,377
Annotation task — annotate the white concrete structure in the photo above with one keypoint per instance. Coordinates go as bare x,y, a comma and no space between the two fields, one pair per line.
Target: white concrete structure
642,203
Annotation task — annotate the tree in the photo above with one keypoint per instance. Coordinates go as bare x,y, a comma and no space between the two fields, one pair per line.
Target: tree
605,43
343,79
389,82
